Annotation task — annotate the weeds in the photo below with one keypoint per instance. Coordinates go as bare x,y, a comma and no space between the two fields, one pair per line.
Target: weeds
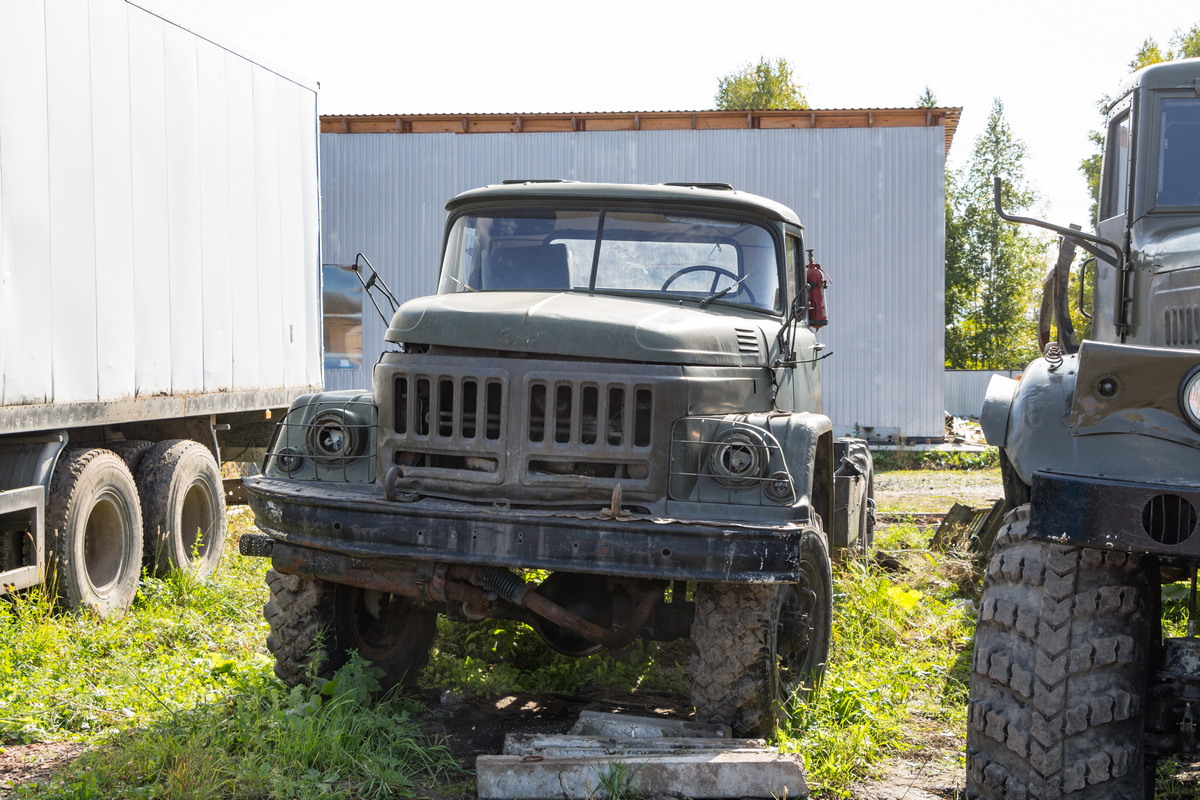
898,673
498,656
615,781
904,459
176,700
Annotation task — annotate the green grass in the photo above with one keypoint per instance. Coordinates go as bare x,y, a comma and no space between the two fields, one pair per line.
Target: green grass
899,668
176,699
496,657
905,459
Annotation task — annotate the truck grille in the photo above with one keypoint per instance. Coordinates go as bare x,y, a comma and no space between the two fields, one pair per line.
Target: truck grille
603,415
550,425
449,407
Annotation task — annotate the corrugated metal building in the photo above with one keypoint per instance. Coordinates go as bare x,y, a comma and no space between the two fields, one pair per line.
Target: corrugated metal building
868,185
966,388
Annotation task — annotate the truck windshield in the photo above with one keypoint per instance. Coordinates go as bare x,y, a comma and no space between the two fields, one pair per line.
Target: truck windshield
1178,181
622,252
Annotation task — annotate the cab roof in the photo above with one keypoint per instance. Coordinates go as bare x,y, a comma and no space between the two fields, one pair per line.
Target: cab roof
1181,74
712,196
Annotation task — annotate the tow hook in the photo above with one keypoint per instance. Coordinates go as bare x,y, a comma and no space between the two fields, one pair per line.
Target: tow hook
394,490
614,510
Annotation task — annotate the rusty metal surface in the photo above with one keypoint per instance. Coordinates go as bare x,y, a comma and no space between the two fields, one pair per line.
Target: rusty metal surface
362,524
1112,514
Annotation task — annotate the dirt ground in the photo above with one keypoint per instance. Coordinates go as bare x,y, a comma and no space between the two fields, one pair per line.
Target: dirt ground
471,726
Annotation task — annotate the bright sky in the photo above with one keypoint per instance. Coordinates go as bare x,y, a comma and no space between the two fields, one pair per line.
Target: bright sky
1047,60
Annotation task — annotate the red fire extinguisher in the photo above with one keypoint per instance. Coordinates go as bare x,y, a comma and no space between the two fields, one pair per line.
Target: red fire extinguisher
818,282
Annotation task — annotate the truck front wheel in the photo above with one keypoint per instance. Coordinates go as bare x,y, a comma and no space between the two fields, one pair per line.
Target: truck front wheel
94,522
1059,675
315,625
759,646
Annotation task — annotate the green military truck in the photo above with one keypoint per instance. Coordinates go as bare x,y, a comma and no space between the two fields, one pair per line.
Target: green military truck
607,424
1075,692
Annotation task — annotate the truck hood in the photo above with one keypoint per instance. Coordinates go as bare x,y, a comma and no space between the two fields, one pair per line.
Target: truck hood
587,326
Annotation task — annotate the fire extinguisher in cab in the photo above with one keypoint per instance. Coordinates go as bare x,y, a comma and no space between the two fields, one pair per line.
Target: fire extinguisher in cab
818,282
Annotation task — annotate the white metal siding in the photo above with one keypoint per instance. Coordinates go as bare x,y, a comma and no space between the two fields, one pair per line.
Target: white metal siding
158,211
872,200
966,388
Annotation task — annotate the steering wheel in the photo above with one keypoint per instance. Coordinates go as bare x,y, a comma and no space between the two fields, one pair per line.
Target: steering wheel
718,273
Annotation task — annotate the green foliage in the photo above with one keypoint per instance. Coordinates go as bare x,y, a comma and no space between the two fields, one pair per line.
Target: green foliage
767,84
903,458
897,676
1186,44
176,700
495,657
927,99
261,740
1149,53
992,266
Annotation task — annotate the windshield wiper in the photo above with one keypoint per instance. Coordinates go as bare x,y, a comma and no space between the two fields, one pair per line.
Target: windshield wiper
466,287
723,292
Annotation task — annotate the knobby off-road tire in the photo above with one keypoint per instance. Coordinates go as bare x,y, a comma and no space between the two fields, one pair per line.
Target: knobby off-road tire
759,646
183,507
315,625
1059,674
94,532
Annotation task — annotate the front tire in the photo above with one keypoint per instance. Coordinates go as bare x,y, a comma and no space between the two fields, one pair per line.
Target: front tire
315,625
759,646
1060,672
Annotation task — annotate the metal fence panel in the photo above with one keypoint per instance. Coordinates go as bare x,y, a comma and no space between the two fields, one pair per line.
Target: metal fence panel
872,200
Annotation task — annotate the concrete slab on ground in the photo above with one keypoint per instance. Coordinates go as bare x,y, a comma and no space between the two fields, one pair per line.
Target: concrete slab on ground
609,753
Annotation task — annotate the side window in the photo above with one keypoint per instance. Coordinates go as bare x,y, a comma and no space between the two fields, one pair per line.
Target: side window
1116,168
794,266
341,303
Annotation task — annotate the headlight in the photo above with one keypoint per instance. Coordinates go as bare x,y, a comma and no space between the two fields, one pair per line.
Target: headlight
738,457
1189,398
336,436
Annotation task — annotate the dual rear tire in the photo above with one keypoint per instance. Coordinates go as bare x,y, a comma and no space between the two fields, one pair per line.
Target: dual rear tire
111,511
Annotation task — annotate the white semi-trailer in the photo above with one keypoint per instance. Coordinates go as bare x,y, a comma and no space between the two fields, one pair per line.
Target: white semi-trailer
159,287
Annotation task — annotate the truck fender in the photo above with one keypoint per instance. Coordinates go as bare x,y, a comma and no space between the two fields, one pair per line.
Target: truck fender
997,407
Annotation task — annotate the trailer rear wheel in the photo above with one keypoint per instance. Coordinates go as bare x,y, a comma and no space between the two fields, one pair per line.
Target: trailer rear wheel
183,506
1058,683
760,646
94,526
315,625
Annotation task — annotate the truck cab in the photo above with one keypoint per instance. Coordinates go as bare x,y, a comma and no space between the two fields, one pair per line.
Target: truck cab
617,385
1100,448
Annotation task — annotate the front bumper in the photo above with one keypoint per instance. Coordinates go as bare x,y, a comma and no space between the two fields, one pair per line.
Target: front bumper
355,521
1122,515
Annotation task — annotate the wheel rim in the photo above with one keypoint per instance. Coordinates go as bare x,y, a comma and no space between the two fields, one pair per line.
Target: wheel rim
196,520
802,629
105,542
795,634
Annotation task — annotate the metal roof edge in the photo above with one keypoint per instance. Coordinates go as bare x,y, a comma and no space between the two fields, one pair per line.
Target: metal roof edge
712,119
